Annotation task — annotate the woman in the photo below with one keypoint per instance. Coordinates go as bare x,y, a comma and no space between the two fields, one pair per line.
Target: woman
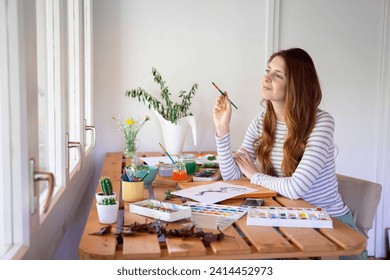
292,139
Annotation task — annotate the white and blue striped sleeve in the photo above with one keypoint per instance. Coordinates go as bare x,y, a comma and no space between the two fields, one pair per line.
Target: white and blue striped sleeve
227,165
317,152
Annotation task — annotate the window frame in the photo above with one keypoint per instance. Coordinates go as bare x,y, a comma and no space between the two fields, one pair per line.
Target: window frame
26,231
55,90
88,77
6,239
14,93
75,83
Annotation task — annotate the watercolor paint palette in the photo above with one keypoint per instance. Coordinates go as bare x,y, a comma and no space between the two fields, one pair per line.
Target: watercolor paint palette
159,210
289,217
214,216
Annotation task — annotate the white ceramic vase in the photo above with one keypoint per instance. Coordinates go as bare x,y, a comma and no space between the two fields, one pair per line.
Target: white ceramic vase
174,134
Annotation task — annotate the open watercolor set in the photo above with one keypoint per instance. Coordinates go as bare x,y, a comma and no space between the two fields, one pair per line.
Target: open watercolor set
214,216
159,210
289,217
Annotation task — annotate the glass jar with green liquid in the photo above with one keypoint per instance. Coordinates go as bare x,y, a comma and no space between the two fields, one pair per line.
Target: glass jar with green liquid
189,160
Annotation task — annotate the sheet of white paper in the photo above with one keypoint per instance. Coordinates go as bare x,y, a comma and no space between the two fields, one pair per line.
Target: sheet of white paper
157,160
204,159
214,192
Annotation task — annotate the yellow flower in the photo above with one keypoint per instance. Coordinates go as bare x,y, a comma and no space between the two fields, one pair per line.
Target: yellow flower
130,122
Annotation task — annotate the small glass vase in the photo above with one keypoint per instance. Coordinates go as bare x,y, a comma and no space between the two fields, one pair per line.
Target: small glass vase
130,147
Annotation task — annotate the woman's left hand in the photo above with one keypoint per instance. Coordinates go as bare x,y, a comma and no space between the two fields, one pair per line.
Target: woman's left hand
245,163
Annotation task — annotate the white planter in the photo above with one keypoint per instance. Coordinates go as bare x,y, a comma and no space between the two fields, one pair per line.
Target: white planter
174,134
107,214
99,196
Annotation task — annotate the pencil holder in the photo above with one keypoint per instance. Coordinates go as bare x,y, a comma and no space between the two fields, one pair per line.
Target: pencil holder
132,191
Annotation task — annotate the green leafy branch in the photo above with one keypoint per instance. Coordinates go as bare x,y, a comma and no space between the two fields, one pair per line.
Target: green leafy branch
170,111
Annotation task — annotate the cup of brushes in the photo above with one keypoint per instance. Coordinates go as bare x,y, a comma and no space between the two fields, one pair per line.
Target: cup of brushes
132,191
140,172
134,179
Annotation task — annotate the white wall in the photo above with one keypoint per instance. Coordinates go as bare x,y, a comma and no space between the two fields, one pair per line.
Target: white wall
188,42
345,39
346,45
225,41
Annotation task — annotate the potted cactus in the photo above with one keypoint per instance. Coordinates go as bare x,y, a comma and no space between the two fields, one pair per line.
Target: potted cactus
107,210
107,190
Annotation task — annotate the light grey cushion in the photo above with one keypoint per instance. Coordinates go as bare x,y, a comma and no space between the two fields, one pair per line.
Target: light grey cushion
362,197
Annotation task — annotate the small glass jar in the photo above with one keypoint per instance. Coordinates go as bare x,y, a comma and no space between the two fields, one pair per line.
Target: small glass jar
165,169
189,161
179,172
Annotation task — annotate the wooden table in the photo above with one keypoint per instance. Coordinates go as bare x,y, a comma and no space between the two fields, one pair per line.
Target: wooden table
243,241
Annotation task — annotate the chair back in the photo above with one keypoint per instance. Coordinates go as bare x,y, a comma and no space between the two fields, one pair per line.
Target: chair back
362,197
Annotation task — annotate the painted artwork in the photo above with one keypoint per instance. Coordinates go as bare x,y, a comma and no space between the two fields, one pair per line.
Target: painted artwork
214,216
214,192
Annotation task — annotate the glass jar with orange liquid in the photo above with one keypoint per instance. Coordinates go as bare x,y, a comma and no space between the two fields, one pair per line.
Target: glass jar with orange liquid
179,171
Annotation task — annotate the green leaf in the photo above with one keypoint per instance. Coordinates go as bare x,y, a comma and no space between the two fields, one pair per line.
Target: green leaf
171,111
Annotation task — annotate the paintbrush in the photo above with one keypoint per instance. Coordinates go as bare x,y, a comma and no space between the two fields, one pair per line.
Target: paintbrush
167,153
145,175
224,95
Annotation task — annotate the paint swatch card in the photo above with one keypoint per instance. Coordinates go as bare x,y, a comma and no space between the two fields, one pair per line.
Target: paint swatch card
213,193
214,216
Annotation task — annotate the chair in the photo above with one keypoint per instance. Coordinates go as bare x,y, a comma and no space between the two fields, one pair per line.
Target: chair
362,197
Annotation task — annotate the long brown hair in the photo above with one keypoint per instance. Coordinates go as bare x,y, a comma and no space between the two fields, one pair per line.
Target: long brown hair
303,95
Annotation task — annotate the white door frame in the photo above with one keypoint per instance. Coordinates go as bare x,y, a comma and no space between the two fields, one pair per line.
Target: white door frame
383,136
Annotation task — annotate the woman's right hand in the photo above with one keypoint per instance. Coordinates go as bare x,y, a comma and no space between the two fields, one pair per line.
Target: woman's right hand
222,114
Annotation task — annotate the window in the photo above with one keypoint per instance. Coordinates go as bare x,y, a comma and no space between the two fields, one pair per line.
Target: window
45,90
50,49
76,86
80,129
89,128
37,109
13,132
5,159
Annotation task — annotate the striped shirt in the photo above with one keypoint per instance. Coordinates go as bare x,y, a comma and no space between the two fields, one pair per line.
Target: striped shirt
314,179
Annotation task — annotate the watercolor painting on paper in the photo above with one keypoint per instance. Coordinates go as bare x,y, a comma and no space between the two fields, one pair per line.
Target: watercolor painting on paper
214,192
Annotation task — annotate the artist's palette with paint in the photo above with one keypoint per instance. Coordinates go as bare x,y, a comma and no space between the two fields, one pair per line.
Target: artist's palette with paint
214,216
160,210
289,217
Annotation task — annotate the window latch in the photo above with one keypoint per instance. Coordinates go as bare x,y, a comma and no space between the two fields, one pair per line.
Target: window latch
39,176
92,128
